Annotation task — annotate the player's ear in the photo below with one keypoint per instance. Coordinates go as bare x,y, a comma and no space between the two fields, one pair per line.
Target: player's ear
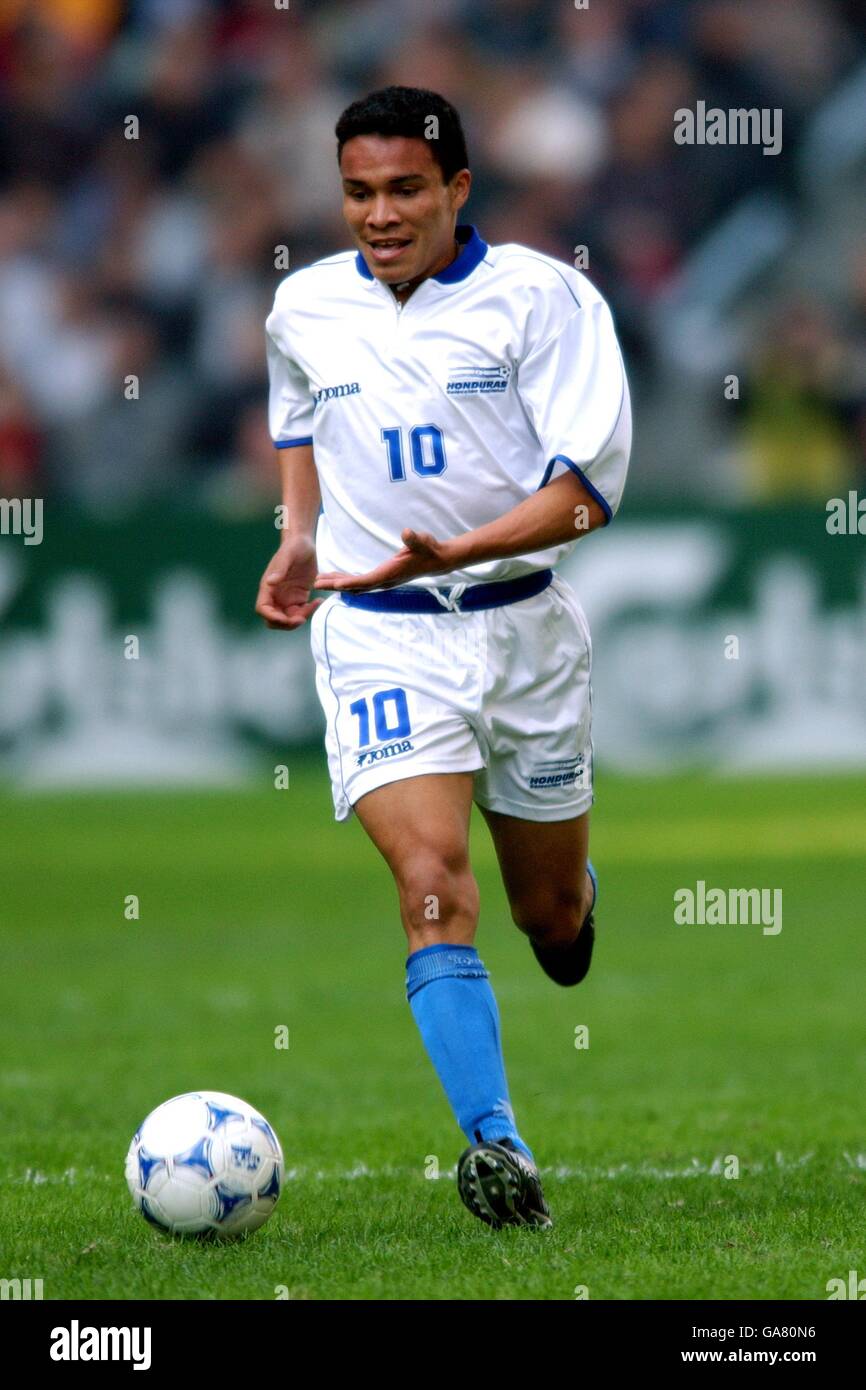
460,184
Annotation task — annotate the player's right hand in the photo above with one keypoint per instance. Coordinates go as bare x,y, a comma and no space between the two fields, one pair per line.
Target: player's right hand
284,594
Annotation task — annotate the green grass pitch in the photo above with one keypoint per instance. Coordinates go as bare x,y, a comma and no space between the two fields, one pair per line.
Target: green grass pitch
258,911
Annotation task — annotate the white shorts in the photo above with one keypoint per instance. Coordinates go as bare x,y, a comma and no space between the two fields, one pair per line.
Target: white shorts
502,692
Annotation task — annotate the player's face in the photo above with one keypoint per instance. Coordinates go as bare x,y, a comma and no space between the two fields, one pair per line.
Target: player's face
398,208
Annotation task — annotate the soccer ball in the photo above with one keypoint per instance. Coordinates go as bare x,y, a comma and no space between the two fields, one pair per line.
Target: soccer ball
205,1162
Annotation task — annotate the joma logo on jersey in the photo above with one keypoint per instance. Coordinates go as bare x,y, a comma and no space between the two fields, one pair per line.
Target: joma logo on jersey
327,393
472,381
390,750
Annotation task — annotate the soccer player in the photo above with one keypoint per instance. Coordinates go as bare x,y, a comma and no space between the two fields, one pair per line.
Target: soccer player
452,417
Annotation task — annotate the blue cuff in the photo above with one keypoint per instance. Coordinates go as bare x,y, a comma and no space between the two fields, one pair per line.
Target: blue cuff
591,489
440,962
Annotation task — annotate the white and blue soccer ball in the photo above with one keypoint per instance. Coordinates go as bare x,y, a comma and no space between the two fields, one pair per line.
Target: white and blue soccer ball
205,1162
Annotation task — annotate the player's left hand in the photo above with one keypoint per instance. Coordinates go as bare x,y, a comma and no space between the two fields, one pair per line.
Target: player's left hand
421,554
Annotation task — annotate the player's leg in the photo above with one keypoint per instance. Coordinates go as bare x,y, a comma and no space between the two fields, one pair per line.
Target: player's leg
550,890
403,754
420,825
536,790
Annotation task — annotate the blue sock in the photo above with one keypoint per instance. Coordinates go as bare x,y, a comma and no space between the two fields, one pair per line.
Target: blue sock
454,1006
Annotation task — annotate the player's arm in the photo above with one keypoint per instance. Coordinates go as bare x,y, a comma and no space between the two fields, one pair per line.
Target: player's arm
562,511
283,599
284,594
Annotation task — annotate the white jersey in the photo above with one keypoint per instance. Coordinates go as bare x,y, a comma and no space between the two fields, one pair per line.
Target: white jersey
498,374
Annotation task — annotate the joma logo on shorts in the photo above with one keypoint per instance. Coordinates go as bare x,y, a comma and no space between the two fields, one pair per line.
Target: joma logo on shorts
391,750
327,393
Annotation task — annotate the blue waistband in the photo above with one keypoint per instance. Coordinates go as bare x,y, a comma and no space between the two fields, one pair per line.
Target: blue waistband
407,599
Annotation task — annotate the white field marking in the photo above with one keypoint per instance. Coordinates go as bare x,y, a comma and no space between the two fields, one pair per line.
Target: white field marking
560,1172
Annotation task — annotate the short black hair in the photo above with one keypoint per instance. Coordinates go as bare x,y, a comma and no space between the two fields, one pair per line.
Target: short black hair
406,111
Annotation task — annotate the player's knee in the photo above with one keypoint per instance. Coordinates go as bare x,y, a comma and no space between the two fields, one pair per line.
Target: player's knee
437,887
551,917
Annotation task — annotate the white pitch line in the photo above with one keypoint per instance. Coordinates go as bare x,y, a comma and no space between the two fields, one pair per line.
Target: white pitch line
560,1172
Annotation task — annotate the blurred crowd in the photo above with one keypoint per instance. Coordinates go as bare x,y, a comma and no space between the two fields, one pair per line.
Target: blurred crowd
155,154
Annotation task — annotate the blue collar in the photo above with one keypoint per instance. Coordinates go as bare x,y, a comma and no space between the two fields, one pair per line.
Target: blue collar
474,251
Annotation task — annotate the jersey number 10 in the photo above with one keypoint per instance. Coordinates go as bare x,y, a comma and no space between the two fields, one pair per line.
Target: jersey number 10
396,698
427,448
